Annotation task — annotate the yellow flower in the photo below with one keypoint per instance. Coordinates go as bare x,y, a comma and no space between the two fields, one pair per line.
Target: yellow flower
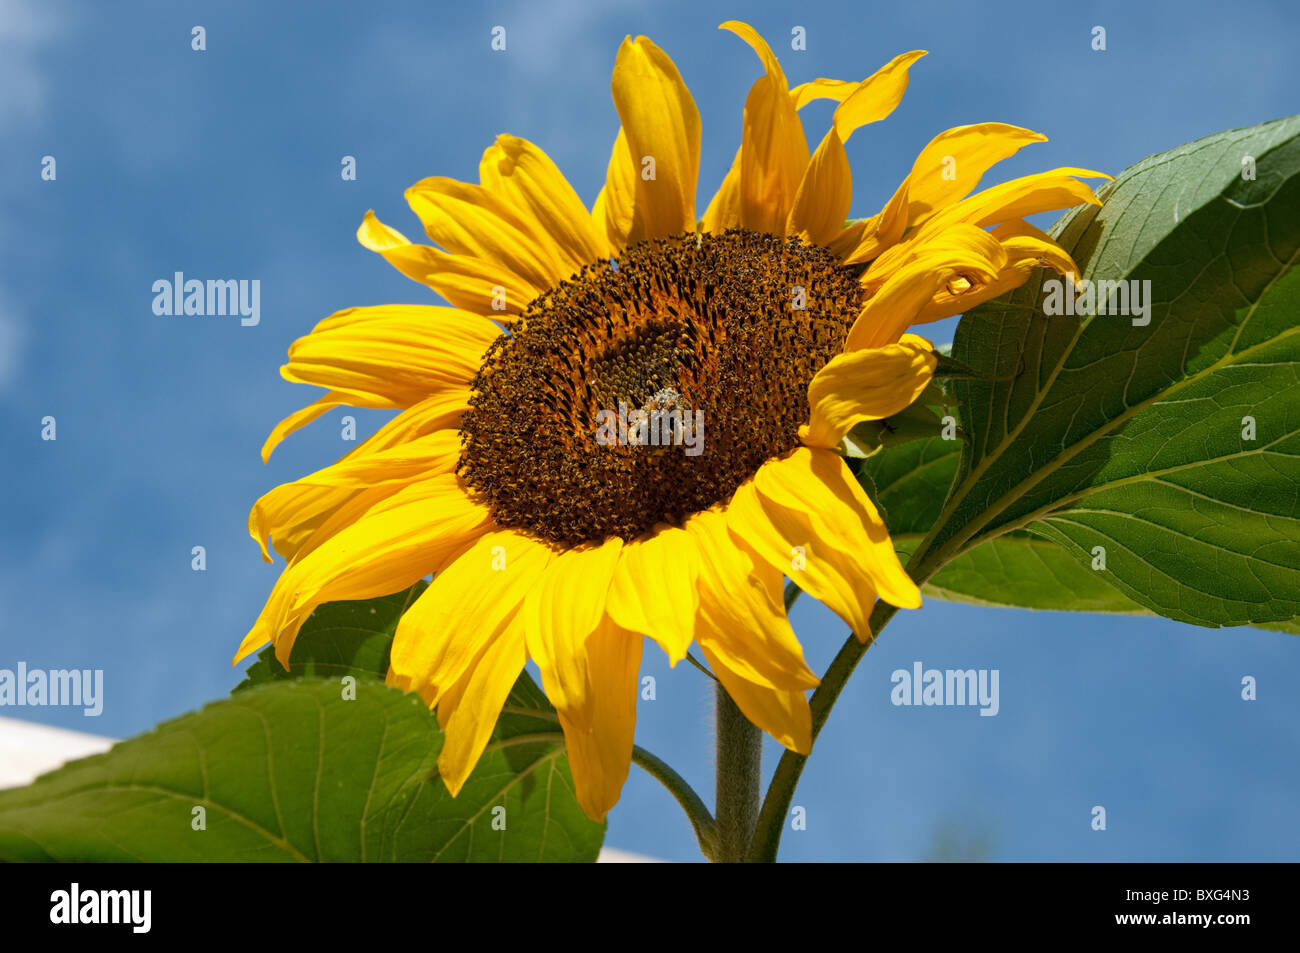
770,321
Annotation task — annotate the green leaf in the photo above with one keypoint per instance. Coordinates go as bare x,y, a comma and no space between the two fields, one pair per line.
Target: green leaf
1131,437
911,481
294,771
1291,626
916,422
339,638
1021,571
946,367
1015,571
356,638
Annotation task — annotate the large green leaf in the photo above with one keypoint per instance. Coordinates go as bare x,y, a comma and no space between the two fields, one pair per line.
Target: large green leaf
1017,570
1022,571
356,638
912,481
1094,432
1012,571
296,771
339,638
292,769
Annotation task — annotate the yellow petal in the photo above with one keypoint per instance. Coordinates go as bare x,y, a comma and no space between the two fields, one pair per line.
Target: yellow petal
825,194
773,150
742,610
462,645
1008,201
905,280
466,282
440,411
465,607
957,243
654,589
1026,248
297,543
876,96
616,204
525,175
565,607
898,305
819,483
292,513
301,523
1021,240
947,169
391,355
661,124
868,384
782,713
437,415
822,88
473,221
854,235
599,733
806,516
886,84
468,725
398,541
771,66
307,501
299,419
435,412
589,666
826,191
724,209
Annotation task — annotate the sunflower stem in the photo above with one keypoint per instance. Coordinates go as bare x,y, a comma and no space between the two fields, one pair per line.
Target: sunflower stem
706,830
780,792
739,756
924,563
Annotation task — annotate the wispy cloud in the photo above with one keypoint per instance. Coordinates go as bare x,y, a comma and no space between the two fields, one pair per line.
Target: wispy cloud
26,30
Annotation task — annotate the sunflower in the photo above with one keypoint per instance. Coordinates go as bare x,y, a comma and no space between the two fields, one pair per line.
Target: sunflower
771,321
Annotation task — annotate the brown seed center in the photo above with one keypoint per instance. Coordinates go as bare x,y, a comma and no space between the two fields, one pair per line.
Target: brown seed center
649,388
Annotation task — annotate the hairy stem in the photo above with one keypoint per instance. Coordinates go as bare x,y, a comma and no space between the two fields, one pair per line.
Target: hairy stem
739,756
706,830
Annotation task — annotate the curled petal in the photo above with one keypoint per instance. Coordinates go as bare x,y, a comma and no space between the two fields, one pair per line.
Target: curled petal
867,384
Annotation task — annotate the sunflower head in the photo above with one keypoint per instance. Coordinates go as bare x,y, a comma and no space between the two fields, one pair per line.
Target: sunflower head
627,422
719,328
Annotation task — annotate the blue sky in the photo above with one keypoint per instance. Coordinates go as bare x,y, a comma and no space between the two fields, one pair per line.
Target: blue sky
225,164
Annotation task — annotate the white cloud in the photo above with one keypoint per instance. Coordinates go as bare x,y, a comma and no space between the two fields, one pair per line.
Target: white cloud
554,39
25,30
